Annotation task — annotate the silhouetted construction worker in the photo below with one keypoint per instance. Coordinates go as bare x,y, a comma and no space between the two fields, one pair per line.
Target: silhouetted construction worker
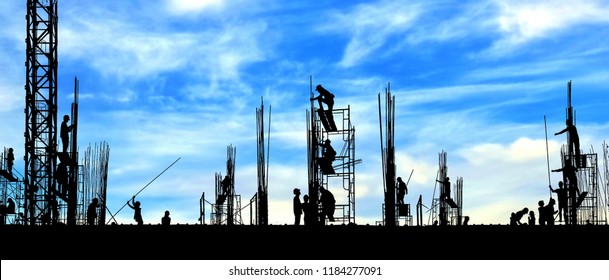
542,213
61,174
569,172
531,218
445,188
328,204
166,220
309,210
549,211
10,206
328,154
297,205
92,211
10,159
513,219
65,132
402,190
324,97
225,184
518,215
137,214
573,140
465,220
562,195
54,207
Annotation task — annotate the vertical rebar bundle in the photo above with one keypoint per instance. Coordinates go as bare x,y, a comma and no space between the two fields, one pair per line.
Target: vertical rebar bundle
230,171
313,136
95,180
439,203
605,183
388,156
73,177
262,164
457,213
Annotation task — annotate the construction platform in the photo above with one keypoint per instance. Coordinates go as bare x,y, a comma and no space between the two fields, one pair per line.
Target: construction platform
330,242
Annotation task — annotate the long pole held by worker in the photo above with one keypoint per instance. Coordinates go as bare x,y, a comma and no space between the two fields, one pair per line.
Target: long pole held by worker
409,178
547,152
157,176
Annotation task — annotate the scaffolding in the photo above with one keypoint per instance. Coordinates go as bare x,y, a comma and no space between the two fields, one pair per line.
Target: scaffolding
580,177
447,207
321,126
583,196
227,208
11,187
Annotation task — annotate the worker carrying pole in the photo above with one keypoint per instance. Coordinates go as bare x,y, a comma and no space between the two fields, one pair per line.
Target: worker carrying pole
135,204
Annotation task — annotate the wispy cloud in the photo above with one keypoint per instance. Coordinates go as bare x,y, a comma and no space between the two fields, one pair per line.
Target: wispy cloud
181,7
123,51
369,27
521,22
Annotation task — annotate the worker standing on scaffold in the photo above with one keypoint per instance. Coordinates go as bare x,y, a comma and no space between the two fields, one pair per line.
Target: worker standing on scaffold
324,97
402,190
573,140
328,154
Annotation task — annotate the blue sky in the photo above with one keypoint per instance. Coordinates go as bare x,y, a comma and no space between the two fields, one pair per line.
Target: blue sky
168,79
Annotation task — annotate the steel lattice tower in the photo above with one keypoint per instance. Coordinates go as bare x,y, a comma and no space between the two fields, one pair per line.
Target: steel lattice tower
41,107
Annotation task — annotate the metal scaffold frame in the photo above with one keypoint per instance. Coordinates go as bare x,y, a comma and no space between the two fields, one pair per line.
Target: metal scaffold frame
344,164
441,205
11,186
587,181
583,193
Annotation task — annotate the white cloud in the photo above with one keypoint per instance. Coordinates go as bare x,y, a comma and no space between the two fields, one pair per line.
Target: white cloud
522,150
441,23
369,27
526,69
124,49
520,22
192,6
11,97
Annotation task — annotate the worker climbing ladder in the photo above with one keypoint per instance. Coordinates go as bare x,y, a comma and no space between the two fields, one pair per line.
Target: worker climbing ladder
331,130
